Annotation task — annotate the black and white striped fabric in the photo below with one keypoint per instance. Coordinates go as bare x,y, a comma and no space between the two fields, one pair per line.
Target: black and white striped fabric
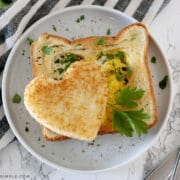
23,13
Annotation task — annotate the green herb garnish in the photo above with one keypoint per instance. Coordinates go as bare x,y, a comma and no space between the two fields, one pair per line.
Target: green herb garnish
153,59
82,17
16,98
60,70
119,76
129,71
99,41
120,54
67,61
133,39
110,56
70,58
127,97
108,32
46,50
54,28
163,82
129,121
30,41
100,55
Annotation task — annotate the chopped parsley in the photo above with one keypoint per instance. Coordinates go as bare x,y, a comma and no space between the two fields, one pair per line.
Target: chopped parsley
99,41
110,56
120,54
153,59
163,82
100,55
67,60
46,50
127,97
54,28
133,38
119,76
16,98
60,70
108,32
30,41
129,71
79,19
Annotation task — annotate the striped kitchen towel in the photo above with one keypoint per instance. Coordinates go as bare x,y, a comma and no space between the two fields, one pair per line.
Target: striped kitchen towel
14,20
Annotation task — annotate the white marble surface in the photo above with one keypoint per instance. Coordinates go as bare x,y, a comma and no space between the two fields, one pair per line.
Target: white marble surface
17,163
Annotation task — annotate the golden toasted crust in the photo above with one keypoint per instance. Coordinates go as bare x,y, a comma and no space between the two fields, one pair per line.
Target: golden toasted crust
73,106
136,50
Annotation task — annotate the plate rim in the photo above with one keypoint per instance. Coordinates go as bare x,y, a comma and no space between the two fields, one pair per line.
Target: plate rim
12,124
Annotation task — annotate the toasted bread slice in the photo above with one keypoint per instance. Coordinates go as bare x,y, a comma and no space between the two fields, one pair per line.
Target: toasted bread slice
73,106
132,40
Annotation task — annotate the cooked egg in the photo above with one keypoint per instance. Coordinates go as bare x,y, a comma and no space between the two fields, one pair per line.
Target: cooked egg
115,66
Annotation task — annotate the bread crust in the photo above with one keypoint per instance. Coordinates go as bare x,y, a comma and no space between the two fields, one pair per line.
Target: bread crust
88,42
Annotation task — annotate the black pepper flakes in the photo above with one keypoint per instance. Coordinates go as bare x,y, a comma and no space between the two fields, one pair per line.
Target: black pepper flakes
91,143
26,129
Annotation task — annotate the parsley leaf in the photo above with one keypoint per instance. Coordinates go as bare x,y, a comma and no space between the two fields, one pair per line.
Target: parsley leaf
127,122
68,58
30,41
16,98
99,41
129,71
46,50
100,55
119,76
108,32
122,123
82,17
137,118
127,96
54,28
163,82
153,59
133,38
110,56
120,54
60,70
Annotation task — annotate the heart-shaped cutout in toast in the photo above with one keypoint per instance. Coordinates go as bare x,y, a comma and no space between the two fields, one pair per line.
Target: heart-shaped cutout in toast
73,106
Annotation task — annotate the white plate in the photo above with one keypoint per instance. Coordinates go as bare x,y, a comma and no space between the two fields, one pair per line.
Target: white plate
108,151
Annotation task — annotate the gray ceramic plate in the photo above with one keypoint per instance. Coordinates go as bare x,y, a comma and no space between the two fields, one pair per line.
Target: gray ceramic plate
108,151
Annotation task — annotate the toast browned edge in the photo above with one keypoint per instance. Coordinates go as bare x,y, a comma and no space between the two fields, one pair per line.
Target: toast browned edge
103,131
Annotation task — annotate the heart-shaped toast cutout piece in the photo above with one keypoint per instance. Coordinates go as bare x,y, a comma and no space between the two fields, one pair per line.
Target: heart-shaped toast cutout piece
73,106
